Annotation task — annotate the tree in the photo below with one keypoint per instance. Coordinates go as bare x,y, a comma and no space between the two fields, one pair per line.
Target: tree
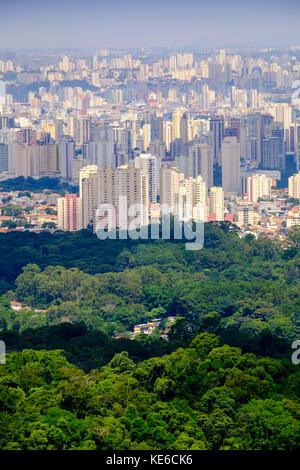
293,237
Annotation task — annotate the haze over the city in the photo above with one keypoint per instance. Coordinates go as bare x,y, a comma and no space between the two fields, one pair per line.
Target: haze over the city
81,24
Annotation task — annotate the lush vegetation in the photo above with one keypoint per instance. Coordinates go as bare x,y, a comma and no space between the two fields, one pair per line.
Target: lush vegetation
223,380
36,185
112,285
201,397
85,348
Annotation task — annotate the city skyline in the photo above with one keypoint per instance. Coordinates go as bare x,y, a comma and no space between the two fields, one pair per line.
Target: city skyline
136,24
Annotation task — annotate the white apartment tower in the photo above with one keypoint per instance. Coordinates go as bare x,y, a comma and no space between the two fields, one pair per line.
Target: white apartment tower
258,186
191,199
147,164
170,178
294,186
69,215
216,202
88,193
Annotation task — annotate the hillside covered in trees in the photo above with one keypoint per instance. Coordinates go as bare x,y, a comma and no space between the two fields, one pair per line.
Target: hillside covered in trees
223,379
252,285
201,397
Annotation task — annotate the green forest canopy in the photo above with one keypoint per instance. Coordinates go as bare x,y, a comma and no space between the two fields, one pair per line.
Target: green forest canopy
202,389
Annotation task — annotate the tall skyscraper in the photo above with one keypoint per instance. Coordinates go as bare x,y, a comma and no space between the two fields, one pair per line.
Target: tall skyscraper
200,162
66,150
254,122
146,136
184,128
217,129
231,179
176,120
273,149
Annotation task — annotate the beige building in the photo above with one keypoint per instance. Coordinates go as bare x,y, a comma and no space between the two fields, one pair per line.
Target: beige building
294,186
200,162
49,161
191,199
69,216
123,188
88,193
24,160
176,123
133,185
146,136
147,164
170,178
258,186
244,213
216,202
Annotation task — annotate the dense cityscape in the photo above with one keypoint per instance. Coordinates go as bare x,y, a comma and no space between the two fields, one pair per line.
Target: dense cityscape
149,231
217,129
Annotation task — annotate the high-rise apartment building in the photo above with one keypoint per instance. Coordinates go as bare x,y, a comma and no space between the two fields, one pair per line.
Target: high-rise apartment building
216,203
69,215
294,186
190,199
273,148
126,189
49,159
170,178
216,125
244,213
254,125
258,186
132,184
176,123
146,136
66,151
88,193
147,164
200,162
23,160
199,191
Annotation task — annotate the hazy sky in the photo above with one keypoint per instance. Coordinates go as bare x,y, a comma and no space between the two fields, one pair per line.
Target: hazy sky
140,23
